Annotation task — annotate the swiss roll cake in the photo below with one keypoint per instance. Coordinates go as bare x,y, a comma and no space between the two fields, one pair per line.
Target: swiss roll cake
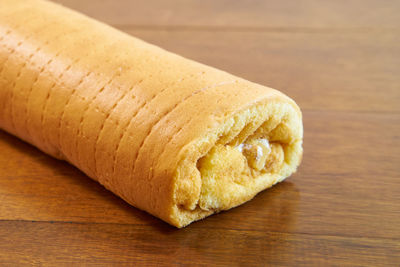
176,138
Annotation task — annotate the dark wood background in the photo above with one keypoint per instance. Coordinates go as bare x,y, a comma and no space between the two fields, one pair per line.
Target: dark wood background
340,60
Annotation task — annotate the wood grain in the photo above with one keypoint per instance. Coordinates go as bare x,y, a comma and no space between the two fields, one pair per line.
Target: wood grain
339,60
243,14
109,244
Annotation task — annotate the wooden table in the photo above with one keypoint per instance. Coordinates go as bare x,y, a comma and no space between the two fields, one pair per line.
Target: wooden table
340,60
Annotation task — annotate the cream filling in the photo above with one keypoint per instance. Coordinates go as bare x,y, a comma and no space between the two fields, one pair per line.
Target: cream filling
229,172
256,152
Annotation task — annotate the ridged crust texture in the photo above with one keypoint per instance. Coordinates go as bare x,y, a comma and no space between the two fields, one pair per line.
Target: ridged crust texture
132,116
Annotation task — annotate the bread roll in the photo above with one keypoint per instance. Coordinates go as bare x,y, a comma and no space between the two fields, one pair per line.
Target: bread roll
171,136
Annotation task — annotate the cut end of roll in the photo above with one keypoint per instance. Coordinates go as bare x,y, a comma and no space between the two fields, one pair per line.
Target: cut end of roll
253,150
229,172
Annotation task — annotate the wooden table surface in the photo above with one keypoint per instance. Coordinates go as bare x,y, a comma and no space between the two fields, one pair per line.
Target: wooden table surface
340,61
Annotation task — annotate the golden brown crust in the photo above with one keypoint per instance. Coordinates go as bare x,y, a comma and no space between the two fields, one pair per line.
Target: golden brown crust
130,115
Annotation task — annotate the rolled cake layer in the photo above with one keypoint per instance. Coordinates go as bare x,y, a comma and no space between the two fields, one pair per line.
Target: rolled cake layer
171,136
